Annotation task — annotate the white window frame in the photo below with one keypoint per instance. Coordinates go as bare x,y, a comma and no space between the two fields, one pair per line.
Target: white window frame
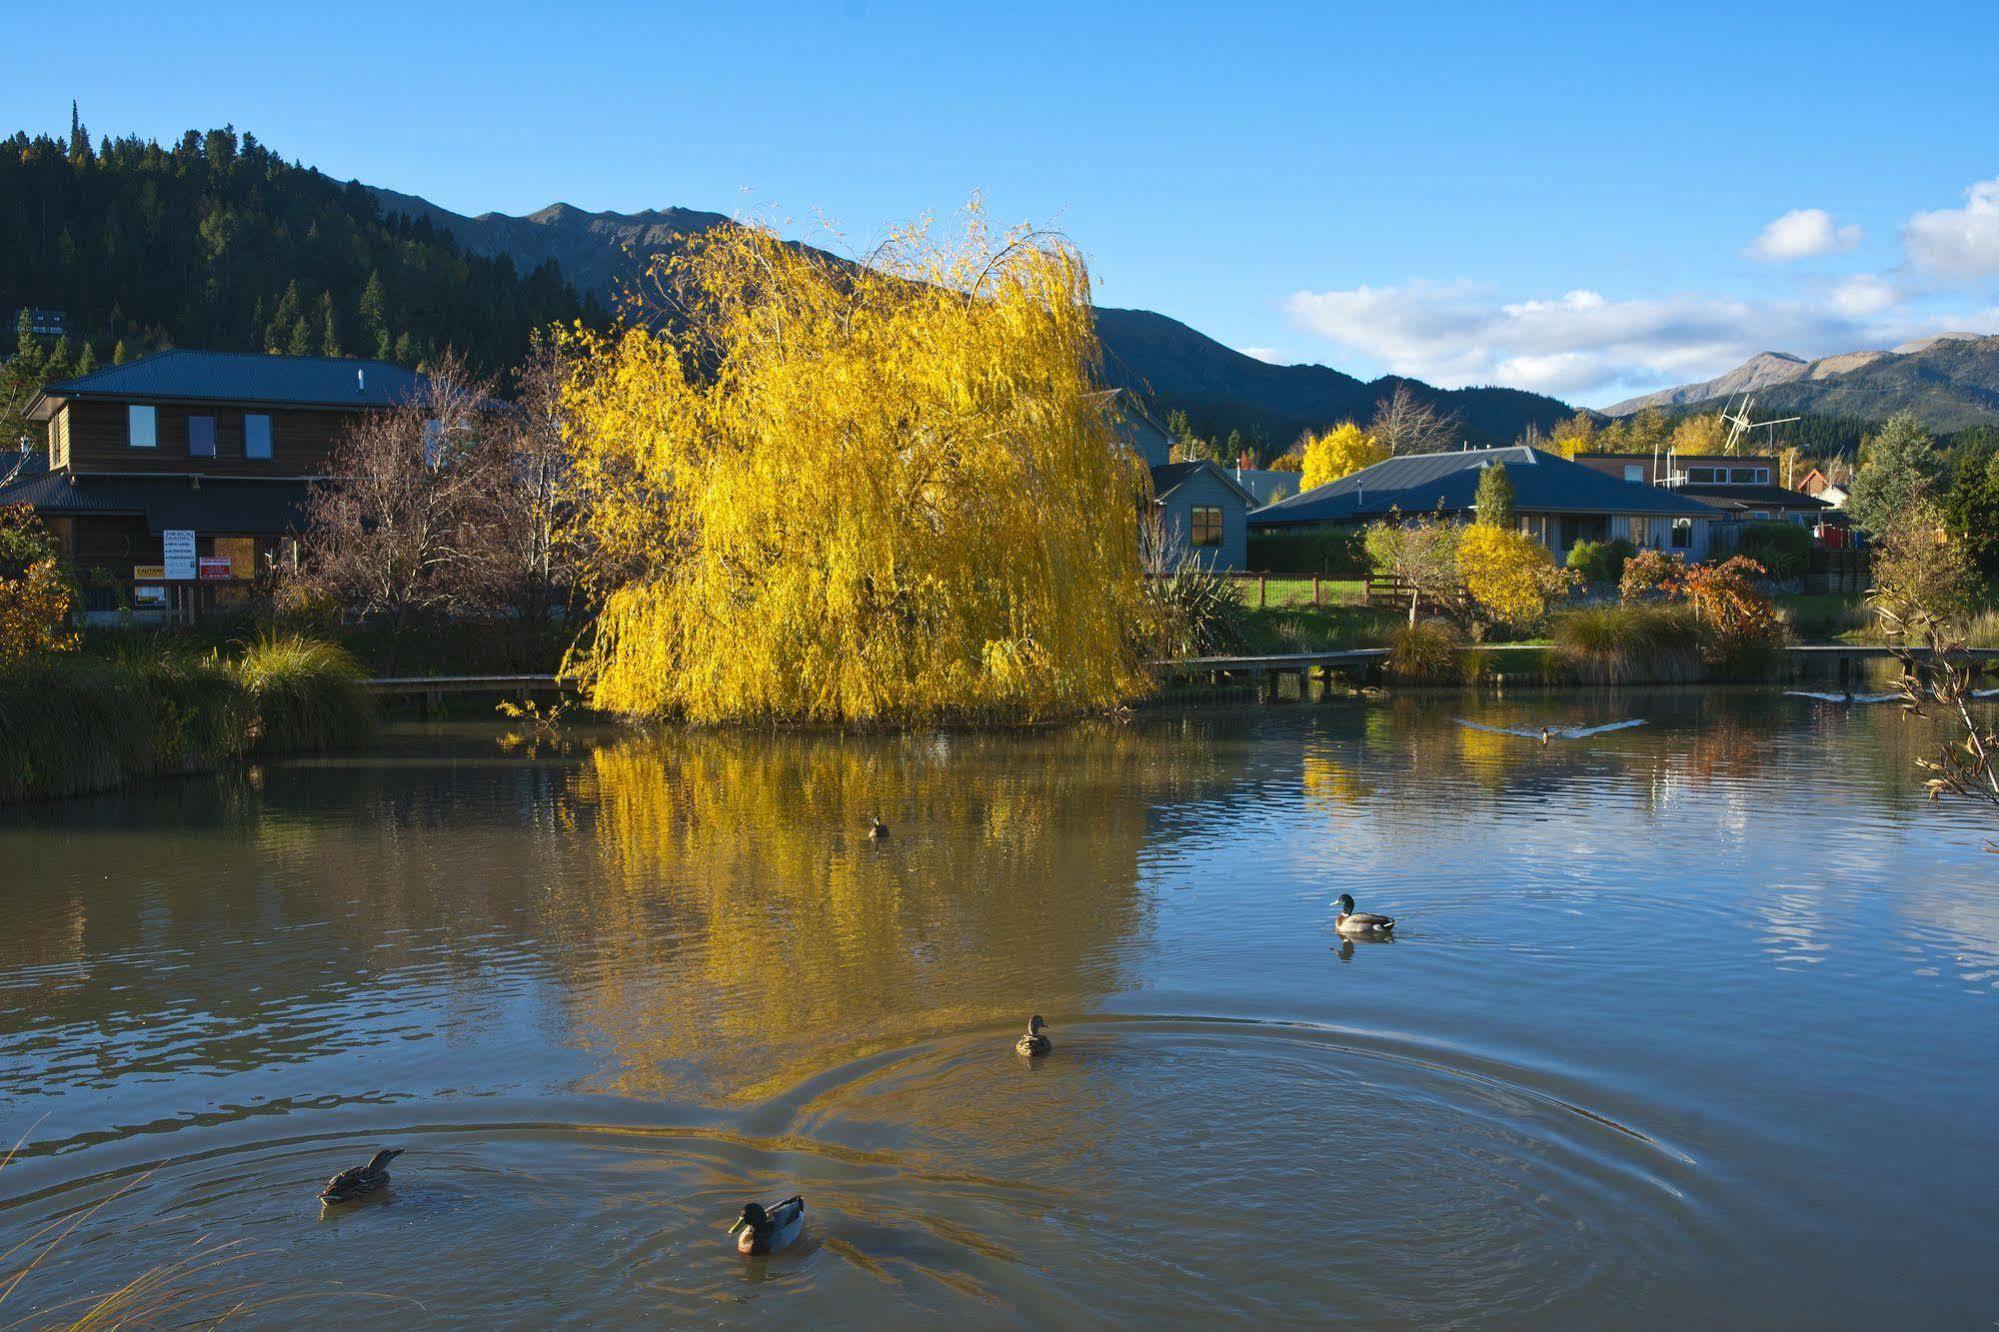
249,437
142,427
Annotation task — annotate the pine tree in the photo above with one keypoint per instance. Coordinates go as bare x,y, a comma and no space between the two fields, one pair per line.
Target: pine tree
1494,503
300,341
373,306
329,339
88,361
118,353
1899,467
284,319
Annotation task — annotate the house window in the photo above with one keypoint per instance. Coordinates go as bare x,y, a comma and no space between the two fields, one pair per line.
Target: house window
1635,472
1641,531
1748,476
201,437
1207,525
142,427
1704,476
1683,533
256,435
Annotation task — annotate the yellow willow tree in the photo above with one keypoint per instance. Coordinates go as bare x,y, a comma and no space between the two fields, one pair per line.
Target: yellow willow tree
865,493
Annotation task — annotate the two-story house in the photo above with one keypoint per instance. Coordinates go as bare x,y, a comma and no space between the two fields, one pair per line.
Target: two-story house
1745,489
180,476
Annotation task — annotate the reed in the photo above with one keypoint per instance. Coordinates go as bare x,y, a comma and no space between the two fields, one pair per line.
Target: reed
1630,644
71,724
306,695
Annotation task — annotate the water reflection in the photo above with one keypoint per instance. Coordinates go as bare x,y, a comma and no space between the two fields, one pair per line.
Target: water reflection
1647,1030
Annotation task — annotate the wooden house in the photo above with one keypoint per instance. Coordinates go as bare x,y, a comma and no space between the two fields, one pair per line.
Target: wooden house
174,480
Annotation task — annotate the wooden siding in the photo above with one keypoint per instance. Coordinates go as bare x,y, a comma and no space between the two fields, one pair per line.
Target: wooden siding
94,440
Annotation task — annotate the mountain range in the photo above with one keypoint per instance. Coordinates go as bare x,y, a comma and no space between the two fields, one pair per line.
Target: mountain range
1174,367
1951,381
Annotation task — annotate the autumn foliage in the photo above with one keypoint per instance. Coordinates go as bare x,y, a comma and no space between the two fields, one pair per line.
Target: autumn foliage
869,493
35,594
1509,577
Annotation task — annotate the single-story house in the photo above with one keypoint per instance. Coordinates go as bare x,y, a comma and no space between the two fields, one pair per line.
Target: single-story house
1559,502
1202,509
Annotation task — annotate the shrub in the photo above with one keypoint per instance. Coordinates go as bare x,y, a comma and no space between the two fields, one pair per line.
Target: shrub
1509,576
305,695
1335,552
1784,549
1426,652
1651,575
1632,644
1600,563
1742,634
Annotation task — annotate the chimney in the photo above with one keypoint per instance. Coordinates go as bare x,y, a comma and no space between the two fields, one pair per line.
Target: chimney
1245,461
361,380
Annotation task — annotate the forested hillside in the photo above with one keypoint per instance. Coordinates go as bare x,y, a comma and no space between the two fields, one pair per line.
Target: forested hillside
217,242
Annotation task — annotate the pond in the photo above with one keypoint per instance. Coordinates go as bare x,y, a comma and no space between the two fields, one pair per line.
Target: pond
1688,1021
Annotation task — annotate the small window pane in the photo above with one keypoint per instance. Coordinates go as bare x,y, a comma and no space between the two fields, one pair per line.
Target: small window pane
142,427
1207,525
1683,533
256,436
1634,472
201,437
1743,476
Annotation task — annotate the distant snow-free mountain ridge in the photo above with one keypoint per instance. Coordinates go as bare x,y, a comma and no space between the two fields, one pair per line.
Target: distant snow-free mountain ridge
1950,380
1175,367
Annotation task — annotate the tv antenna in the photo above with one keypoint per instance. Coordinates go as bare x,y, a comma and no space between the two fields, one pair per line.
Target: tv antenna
1740,424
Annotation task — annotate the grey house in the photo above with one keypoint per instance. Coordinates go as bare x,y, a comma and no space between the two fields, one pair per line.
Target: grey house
1202,510
1559,502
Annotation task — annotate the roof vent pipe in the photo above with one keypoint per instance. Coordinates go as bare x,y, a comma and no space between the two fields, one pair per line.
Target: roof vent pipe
361,380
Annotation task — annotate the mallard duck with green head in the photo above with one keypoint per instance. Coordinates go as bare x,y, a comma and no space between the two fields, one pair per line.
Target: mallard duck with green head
1361,924
877,830
761,1230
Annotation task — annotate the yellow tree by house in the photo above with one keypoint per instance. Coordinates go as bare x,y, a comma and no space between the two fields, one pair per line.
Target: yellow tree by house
867,493
1341,451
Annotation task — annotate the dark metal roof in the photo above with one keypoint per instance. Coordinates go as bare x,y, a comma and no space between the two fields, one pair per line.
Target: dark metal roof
228,507
1753,497
1169,477
209,376
1426,482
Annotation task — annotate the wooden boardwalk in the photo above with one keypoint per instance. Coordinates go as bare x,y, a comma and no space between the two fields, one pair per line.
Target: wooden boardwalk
1261,672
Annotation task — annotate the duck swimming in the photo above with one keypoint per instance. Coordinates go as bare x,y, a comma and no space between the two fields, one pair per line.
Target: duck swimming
362,1180
877,830
761,1230
1033,1043
1360,922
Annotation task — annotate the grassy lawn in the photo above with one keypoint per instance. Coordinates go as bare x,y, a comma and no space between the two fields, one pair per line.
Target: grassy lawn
1278,590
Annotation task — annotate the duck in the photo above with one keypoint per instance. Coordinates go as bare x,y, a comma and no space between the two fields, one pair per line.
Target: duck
1033,1043
877,830
362,1180
1360,922
761,1230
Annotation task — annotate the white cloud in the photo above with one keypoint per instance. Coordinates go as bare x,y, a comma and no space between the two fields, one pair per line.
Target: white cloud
1958,243
1864,294
1268,355
1802,233
1587,346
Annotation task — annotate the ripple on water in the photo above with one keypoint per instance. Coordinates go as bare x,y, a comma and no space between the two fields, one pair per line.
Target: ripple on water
1168,1169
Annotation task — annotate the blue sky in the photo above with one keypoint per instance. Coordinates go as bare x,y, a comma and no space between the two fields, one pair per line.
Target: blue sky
1564,197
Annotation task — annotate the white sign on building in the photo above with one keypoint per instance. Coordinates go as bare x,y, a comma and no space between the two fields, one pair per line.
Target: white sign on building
177,545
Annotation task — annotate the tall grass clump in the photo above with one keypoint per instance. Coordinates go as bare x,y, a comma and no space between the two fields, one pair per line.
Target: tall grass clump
1426,652
71,723
1636,643
305,695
